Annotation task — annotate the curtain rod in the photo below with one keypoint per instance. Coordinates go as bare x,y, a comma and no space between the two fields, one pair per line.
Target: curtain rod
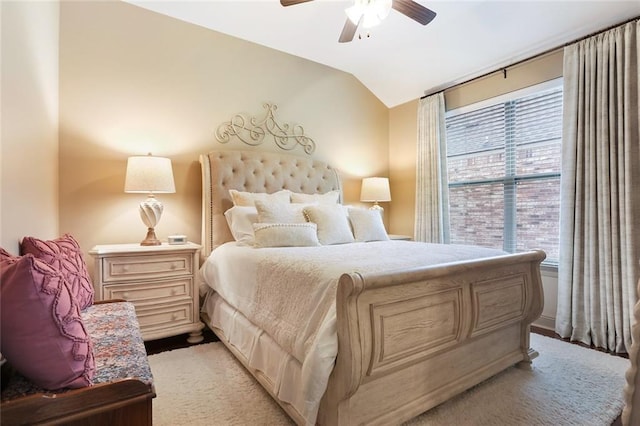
538,55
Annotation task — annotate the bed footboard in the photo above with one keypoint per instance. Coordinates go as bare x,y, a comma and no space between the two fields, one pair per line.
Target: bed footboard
411,340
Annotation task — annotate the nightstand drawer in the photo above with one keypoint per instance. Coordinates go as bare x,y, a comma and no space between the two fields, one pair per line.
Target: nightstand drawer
149,292
153,318
144,267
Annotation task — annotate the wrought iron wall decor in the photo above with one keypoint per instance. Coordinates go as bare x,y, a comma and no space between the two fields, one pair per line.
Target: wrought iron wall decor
253,131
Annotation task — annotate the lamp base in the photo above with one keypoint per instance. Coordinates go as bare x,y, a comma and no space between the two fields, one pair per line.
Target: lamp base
377,207
151,239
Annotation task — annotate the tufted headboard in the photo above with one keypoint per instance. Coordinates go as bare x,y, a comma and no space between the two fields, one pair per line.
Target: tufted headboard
254,171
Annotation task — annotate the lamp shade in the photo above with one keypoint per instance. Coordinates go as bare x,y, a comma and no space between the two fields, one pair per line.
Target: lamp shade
375,189
149,174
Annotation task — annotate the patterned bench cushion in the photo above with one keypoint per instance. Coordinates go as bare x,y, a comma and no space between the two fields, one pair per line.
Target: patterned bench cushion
118,349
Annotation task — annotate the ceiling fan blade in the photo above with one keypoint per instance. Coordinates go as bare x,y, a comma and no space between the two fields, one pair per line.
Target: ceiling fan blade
292,2
348,31
414,10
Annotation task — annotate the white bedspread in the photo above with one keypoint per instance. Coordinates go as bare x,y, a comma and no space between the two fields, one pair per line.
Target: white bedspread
294,302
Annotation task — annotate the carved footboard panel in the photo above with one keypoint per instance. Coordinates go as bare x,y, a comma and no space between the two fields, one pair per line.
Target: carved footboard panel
411,340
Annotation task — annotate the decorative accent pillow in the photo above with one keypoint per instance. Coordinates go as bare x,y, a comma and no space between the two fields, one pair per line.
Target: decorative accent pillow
240,220
64,254
367,225
280,212
285,234
332,222
241,198
331,197
42,334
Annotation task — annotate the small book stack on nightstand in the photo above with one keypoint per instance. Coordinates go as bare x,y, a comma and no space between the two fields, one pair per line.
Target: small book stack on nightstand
158,280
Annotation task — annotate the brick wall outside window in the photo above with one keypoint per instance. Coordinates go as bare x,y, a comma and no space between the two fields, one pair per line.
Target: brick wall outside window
503,164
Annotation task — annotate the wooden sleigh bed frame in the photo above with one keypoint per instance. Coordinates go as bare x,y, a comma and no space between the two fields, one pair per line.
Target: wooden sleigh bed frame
409,340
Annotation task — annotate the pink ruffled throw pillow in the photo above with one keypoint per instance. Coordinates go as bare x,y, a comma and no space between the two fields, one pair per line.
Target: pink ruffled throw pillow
65,255
42,334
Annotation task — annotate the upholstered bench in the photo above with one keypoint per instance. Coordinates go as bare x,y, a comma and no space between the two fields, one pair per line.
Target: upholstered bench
122,386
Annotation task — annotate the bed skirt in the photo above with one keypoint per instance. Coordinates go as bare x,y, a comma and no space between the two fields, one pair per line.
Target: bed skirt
284,374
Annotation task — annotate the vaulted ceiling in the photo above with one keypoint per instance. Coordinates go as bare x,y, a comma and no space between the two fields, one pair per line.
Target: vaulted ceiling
400,59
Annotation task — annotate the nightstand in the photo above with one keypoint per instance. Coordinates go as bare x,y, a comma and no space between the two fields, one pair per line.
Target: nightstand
158,280
399,237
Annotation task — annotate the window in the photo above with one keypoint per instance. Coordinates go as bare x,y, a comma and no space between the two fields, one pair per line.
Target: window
503,163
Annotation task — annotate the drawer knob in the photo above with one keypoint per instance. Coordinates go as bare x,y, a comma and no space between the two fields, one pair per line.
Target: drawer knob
174,316
125,268
125,295
174,266
173,292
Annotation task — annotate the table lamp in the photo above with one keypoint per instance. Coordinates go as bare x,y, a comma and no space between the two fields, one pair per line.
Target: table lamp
375,189
149,174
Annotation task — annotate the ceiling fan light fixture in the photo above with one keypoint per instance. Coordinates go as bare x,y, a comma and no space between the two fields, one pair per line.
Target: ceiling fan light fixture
382,8
371,12
355,12
370,20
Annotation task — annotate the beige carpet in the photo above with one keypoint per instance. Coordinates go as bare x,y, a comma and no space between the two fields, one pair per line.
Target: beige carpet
569,385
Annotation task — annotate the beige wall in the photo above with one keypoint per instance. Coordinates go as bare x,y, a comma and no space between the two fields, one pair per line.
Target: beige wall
29,122
403,127
133,81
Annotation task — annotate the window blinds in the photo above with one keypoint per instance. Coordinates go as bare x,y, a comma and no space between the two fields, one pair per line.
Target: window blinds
503,166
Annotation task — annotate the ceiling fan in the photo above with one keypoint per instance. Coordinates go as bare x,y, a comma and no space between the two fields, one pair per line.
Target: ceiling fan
369,13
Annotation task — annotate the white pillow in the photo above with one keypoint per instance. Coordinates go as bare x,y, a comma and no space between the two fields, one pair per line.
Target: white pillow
331,197
367,225
240,220
241,198
332,222
280,212
285,234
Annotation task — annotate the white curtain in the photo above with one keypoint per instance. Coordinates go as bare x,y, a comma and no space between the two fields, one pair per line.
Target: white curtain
600,190
432,193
